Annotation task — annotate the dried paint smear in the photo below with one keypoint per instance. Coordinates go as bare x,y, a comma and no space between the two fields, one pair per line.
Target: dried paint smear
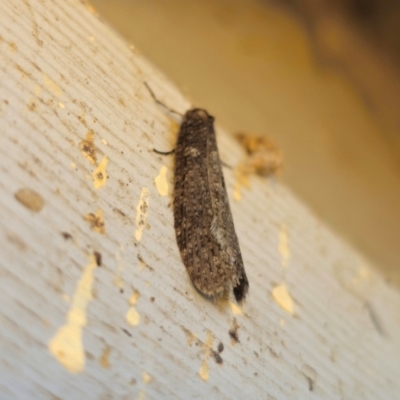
100,174
190,337
96,221
30,199
241,181
88,148
282,297
146,378
142,210
142,395
66,346
52,86
161,181
284,245
132,316
203,371
236,309
357,279
104,359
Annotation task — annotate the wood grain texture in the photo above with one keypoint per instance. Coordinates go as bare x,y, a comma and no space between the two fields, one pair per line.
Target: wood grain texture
132,324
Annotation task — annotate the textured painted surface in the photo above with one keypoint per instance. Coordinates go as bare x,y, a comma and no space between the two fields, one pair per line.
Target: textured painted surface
64,74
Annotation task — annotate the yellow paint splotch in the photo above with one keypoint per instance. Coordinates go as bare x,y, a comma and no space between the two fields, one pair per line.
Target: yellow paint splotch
190,336
52,86
119,282
100,174
132,316
357,279
284,245
236,310
146,378
241,181
142,395
283,298
66,345
161,181
105,357
204,370
142,210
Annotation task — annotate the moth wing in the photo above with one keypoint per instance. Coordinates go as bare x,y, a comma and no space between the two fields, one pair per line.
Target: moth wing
222,227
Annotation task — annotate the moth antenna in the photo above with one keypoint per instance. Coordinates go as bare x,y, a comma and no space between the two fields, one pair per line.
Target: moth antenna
160,102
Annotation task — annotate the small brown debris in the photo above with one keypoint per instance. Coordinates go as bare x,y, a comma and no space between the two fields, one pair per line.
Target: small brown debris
88,148
220,347
126,332
310,374
264,156
233,332
66,235
98,258
217,358
96,221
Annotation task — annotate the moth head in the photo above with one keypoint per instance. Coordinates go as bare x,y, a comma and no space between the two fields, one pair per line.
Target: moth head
198,114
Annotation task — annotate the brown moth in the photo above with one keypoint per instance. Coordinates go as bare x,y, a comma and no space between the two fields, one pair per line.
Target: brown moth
203,221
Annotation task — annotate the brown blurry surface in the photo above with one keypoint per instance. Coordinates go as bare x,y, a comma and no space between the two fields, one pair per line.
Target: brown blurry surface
317,79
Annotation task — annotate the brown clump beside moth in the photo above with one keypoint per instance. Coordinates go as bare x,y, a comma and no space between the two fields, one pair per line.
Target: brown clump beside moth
264,157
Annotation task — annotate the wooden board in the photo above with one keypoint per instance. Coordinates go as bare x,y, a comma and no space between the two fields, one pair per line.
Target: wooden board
96,302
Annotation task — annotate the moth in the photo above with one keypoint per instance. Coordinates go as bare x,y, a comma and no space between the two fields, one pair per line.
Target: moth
203,221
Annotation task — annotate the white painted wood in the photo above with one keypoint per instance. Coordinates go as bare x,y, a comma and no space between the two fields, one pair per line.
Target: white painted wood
134,327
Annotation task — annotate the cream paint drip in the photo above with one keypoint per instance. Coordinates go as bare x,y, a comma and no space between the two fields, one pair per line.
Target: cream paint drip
142,395
284,245
241,181
146,378
357,279
236,310
100,174
161,181
66,345
204,371
132,316
142,210
104,359
118,279
52,86
190,337
119,282
237,195
282,297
